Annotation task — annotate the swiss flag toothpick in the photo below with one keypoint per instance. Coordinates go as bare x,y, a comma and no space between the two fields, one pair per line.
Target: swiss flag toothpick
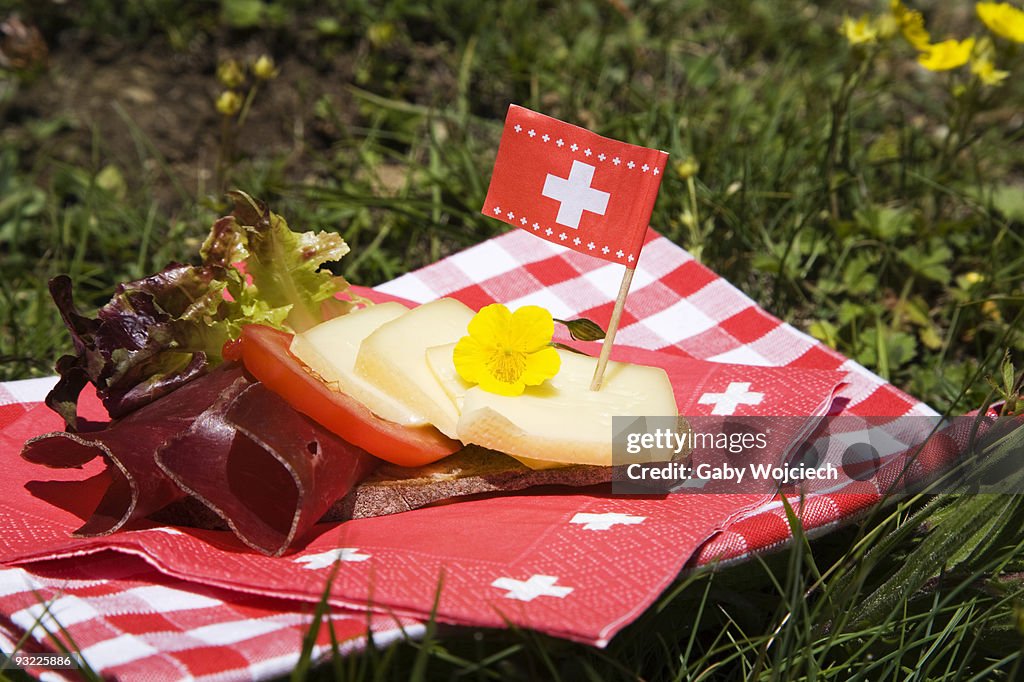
573,187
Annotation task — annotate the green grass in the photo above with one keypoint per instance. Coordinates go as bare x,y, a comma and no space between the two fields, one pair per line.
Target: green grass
847,191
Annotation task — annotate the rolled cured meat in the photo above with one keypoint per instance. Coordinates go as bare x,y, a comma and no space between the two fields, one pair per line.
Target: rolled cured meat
137,485
268,471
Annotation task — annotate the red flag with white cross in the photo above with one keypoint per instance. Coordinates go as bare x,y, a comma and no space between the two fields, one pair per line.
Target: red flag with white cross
573,187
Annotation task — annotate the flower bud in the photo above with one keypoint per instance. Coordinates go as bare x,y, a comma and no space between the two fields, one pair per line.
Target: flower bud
973,277
230,73
381,33
991,311
582,329
229,103
687,168
264,68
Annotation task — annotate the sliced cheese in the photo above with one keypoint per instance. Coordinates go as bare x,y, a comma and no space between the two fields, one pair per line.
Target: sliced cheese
330,350
394,359
439,359
562,420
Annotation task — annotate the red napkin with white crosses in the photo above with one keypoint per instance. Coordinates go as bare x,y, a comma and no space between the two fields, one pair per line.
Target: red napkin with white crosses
579,565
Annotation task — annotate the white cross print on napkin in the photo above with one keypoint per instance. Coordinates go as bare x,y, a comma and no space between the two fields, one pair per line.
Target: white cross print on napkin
575,195
528,590
606,520
325,559
738,393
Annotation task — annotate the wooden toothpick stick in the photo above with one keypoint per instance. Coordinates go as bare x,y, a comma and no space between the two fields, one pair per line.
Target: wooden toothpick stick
613,326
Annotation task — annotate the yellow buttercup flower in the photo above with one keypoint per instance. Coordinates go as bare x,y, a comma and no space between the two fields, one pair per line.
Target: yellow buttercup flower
949,54
859,31
911,25
986,71
505,352
1003,19
914,31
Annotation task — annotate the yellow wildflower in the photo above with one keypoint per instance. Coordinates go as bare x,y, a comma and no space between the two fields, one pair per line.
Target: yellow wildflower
859,31
1003,19
230,73
506,352
911,25
914,31
229,103
986,71
949,54
263,68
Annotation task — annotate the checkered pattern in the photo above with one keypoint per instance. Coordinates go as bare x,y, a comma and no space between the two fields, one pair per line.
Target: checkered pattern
130,621
675,305
201,604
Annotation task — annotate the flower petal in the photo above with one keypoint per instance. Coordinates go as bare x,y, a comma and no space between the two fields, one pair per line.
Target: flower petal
470,359
541,366
1003,19
492,384
949,54
491,325
531,329
504,352
912,26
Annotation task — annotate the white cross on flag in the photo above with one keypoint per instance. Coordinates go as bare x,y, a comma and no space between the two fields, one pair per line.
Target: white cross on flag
573,187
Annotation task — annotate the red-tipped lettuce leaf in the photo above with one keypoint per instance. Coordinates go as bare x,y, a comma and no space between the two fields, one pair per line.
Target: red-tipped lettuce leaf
154,335
158,333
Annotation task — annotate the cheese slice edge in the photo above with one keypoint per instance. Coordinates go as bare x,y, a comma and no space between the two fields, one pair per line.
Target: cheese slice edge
330,350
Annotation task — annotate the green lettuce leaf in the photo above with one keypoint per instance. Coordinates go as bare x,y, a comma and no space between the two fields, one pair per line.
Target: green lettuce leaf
160,332
284,265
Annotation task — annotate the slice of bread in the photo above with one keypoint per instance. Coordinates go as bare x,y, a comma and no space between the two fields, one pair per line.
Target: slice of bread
471,471
394,489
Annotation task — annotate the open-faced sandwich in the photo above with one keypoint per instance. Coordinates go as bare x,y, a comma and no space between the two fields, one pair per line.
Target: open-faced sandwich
260,392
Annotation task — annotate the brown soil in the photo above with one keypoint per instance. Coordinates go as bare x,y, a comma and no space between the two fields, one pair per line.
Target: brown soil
151,113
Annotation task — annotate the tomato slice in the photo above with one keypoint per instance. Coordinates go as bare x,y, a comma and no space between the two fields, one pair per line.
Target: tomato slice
266,356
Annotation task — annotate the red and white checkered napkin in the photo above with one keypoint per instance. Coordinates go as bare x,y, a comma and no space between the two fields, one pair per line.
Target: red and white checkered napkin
675,305
580,566
130,621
